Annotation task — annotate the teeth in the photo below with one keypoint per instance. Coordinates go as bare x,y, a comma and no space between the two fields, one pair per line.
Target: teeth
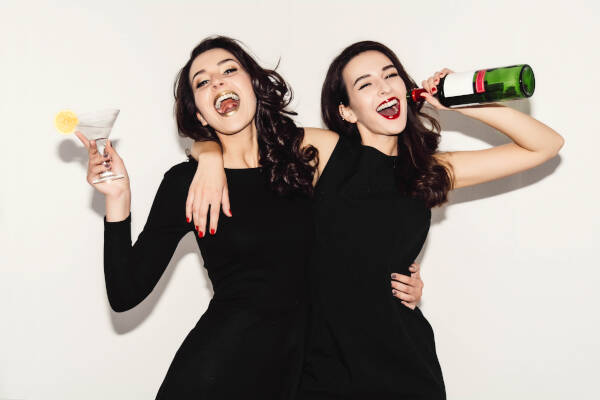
224,97
387,104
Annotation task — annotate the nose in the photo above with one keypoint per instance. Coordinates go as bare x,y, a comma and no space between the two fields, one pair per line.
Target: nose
217,82
384,88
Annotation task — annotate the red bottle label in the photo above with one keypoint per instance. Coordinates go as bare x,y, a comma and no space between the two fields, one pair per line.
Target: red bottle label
480,81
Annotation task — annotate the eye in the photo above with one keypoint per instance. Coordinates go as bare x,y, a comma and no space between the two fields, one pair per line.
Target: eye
229,71
364,85
393,74
201,84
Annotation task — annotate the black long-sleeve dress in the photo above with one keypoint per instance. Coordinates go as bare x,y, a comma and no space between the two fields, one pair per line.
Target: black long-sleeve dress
248,343
363,343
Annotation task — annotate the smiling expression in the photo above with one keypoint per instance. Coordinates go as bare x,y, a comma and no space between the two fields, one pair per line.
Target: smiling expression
376,93
223,92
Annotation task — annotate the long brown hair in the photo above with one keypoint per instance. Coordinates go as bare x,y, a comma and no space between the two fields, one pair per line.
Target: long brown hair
289,167
418,174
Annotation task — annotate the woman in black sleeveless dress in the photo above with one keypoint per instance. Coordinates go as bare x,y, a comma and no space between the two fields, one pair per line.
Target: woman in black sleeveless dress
387,162
372,207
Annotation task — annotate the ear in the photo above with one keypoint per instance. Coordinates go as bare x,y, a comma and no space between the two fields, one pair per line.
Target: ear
201,118
347,114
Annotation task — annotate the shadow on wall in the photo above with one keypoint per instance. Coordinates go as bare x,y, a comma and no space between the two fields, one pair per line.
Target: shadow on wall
452,121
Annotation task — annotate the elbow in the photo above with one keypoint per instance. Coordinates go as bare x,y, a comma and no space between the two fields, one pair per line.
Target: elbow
121,301
119,306
559,142
553,147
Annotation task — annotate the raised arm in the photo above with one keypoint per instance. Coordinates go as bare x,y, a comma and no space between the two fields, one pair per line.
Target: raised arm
131,272
533,142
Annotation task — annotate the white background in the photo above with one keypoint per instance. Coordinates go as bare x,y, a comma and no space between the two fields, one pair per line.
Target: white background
510,267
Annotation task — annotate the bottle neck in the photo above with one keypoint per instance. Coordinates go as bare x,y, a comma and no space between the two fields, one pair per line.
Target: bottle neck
415,95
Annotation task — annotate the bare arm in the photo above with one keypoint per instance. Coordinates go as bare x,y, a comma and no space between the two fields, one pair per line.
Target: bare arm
208,188
533,143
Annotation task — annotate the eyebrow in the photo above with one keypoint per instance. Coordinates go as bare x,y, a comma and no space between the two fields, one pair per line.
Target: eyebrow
219,63
367,75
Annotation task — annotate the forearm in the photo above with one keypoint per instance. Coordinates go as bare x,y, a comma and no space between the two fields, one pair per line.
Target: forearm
523,130
118,206
206,148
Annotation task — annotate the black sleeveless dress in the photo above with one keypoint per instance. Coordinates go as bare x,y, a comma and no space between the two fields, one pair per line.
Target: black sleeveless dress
363,342
248,343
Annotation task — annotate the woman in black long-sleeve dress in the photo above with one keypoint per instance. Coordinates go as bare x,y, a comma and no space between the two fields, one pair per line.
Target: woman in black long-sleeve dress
248,342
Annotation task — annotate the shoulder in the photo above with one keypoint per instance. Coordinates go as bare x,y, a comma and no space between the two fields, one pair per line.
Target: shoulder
182,172
322,139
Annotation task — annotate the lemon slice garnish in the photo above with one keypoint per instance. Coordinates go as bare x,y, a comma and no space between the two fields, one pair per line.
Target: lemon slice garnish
66,121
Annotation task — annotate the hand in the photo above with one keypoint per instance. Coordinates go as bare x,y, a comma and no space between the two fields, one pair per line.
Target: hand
99,163
409,289
208,188
431,86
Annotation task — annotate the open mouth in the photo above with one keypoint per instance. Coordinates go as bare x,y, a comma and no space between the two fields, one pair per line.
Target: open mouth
390,108
227,103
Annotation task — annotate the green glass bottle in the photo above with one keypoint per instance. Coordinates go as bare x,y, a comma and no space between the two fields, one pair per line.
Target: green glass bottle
482,86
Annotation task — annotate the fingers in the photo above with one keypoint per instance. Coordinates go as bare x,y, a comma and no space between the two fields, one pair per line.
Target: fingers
425,85
188,206
93,149
407,288
100,168
110,150
414,267
412,306
200,217
225,202
403,296
215,208
83,139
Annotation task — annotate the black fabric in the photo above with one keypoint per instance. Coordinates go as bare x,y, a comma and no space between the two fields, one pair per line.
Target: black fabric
363,343
248,344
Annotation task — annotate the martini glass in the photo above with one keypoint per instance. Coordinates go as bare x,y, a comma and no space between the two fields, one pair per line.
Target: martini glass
97,126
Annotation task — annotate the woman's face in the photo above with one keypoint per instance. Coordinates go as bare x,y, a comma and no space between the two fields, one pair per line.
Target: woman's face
376,93
223,92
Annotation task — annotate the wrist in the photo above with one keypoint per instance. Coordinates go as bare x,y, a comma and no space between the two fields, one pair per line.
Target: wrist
116,198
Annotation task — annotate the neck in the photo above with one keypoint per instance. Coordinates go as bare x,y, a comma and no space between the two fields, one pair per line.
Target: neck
240,150
387,144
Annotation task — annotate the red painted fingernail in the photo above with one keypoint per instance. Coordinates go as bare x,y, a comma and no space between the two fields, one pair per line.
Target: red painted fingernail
433,90
212,231
197,228
200,234
187,219
230,214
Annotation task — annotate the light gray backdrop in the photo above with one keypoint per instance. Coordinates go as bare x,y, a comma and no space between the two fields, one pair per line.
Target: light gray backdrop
510,267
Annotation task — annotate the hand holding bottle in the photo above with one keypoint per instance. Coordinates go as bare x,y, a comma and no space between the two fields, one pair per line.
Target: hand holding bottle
476,87
430,85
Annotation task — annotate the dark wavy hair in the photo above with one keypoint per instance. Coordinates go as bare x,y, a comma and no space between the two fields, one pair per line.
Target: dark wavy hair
418,173
289,168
